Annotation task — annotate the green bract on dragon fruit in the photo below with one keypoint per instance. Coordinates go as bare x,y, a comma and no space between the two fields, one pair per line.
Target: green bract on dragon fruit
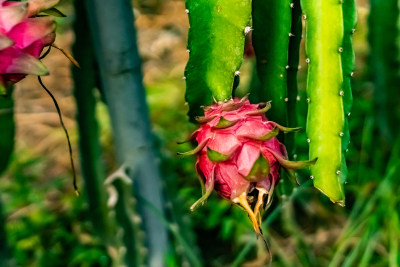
239,154
23,35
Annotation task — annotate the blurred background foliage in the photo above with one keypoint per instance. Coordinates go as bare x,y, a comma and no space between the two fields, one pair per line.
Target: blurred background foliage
47,225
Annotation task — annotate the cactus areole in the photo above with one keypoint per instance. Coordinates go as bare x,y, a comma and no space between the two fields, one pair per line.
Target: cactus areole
238,155
23,35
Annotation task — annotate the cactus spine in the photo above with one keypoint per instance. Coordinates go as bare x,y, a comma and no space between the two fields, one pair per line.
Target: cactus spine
215,45
272,31
325,90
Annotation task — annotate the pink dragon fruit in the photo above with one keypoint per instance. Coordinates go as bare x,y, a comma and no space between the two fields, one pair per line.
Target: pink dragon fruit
238,154
23,35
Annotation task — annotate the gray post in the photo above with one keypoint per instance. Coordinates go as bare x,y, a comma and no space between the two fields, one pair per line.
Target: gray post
114,36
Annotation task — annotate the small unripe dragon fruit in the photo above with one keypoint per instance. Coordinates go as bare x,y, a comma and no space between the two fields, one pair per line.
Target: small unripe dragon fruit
23,35
239,154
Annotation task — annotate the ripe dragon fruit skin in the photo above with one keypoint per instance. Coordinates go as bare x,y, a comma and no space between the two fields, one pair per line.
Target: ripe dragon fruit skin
23,35
238,152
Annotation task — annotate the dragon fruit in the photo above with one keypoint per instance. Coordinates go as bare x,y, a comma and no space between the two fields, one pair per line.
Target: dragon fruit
239,155
23,35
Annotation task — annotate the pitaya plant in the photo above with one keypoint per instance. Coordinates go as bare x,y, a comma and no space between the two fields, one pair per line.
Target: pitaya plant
232,141
23,35
239,155
26,28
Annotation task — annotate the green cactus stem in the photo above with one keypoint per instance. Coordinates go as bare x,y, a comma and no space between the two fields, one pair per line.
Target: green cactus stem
292,68
7,129
215,46
325,91
348,61
7,134
271,34
384,66
348,57
93,172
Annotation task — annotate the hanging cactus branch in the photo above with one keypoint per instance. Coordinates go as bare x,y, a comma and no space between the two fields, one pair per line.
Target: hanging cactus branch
271,35
215,46
328,96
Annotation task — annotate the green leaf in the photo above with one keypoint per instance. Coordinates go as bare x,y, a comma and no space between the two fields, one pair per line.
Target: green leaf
54,12
3,90
274,132
215,156
224,123
259,170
